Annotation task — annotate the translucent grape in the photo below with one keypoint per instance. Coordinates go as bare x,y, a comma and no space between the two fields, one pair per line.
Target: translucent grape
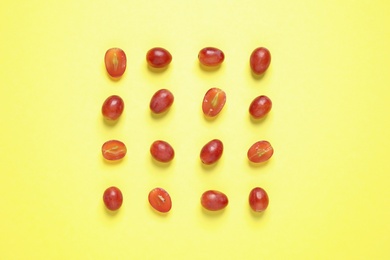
114,150
160,200
115,61
260,151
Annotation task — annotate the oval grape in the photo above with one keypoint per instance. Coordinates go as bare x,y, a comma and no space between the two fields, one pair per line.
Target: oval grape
158,57
162,151
113,107
260,107
161,101
113,150
115,61
260,60
160,200
211,57
258,199
211,152
260,151
214,200
213,102
113,198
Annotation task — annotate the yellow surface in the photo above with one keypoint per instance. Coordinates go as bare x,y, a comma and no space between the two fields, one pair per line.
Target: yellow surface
328,181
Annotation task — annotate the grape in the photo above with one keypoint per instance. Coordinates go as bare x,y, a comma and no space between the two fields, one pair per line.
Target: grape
258,199
113,198
113,150
211,57
260,107
115,61
113,107
260,60
260,151
213,102
162,151
214,200
211,152
158,57
160,200
161,101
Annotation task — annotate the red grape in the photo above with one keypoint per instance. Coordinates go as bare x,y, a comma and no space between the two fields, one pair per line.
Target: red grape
161,101
213,102
113,198
260,107
113,150
260,60
115,61
113,107
214,200
260,151
211,152
211,56
258,199
158,57
160,200
162,151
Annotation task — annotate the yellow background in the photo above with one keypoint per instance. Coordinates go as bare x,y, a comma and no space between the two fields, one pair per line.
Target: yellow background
329,81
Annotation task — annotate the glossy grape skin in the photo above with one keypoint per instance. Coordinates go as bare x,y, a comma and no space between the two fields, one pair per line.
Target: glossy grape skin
260,60
260,107
113,107
211,57
115,61
162,151
213,102
158,58
161,101
113,198
160,200
211,152
113,150
258,199
214,200
260,151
